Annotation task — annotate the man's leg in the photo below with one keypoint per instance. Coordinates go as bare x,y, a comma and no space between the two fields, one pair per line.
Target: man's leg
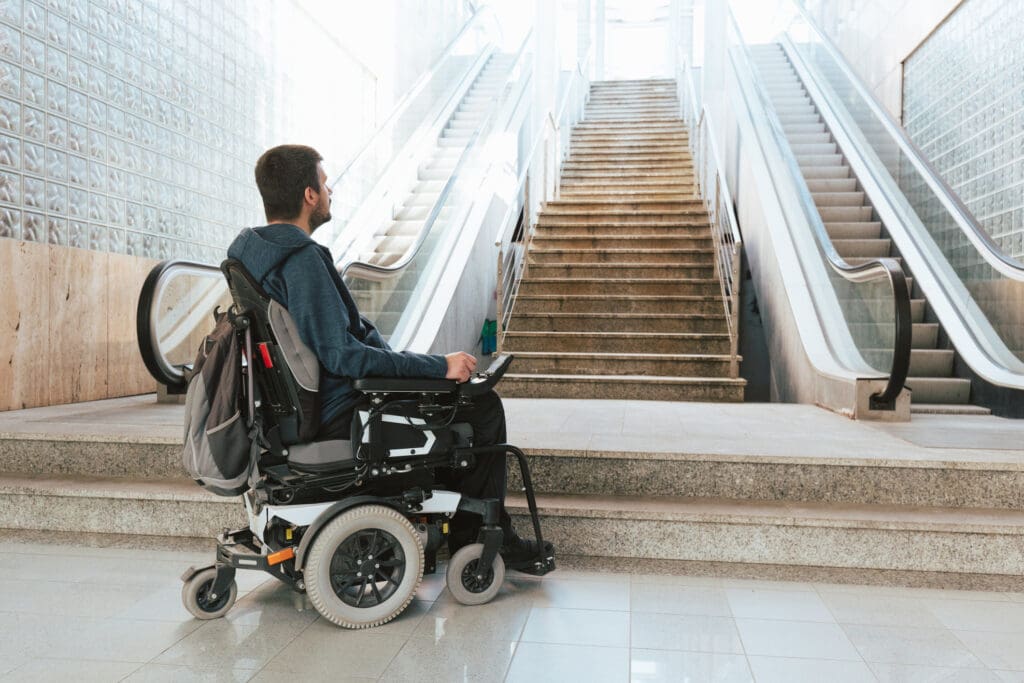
488,479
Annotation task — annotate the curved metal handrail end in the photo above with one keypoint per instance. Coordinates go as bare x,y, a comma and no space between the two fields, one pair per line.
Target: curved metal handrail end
144,329
903,342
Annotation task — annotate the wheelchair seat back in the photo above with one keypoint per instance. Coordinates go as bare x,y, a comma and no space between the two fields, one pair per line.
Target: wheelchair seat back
286,376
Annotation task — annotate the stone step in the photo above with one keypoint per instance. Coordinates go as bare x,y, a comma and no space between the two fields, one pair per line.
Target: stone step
931,362
854,230
640,184
770,475
939,389
99,455
563,229
631,128
618,224
591,177
653,271
639,166
617,322
612,204
623,240
533,284
623,304
623,387
628,157
667,143
615,342
681,215
660,106
626,139
588,151
80,503
627,196
639,119
957,540
538,363
677,256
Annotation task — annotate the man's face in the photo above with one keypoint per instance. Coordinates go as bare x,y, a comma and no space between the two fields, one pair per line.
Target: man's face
322,213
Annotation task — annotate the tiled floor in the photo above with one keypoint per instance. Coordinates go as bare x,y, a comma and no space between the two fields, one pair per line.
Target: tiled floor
105,609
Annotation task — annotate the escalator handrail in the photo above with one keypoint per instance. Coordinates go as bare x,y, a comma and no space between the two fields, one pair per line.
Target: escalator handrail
403,104
979,237
435,209
870,270
145,323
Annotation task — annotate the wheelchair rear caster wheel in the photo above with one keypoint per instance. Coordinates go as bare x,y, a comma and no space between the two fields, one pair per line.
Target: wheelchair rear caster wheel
467,582
363,568
195,595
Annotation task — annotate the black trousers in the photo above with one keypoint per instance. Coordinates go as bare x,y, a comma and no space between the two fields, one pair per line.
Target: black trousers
487,479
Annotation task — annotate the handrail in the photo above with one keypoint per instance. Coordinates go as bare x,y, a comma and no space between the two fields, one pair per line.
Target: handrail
145,323
406,99
990,251
869,270
435,210
728,248
508,277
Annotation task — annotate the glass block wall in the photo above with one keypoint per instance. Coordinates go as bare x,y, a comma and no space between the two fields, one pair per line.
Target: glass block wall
963,104
132,126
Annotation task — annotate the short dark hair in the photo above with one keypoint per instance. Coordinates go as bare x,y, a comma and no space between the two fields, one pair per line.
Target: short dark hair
282,175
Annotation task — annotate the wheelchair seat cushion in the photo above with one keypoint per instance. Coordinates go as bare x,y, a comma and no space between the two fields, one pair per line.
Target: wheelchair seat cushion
321,456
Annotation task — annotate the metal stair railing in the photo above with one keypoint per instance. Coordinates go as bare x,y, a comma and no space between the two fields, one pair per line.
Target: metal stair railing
548,149
714,188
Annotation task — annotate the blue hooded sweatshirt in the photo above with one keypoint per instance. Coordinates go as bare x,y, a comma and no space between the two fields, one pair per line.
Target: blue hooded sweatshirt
300,275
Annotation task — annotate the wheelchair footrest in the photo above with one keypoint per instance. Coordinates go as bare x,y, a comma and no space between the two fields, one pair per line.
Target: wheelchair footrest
537,566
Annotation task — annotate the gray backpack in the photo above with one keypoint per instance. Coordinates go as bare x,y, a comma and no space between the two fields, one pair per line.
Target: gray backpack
220,447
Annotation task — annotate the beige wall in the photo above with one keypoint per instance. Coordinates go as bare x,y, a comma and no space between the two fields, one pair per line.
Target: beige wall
876,36
67,325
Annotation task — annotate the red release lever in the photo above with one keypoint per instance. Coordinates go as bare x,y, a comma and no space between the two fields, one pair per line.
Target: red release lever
265,352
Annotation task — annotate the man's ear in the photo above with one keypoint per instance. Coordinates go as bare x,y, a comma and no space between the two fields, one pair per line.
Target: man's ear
311,196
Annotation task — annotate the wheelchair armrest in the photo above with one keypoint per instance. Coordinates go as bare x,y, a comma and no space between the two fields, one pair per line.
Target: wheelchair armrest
408,385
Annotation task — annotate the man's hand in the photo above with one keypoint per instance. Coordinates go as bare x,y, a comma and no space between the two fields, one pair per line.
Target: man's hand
460,365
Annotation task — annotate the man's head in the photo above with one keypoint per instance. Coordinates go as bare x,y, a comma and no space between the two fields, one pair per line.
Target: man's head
294,186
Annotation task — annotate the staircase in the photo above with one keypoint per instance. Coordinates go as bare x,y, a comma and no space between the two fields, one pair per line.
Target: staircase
620,298
384,301
856,233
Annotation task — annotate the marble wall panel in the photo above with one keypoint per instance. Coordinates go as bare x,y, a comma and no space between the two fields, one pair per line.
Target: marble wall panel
126,373
78,325
24,324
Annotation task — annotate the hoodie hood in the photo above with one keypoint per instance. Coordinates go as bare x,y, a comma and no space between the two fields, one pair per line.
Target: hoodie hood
263,249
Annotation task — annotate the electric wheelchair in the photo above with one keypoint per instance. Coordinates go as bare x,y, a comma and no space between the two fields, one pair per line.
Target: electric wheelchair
354,524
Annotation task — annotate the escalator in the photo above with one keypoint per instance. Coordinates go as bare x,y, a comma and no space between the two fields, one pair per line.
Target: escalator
827,178
855,230
394,253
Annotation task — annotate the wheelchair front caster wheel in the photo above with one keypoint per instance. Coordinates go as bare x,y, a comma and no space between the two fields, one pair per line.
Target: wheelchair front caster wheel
468,583
195,595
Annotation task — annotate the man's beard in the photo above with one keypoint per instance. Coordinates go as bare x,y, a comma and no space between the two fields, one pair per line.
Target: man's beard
319,217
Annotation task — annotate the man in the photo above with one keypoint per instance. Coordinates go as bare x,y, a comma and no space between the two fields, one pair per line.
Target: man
300,274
